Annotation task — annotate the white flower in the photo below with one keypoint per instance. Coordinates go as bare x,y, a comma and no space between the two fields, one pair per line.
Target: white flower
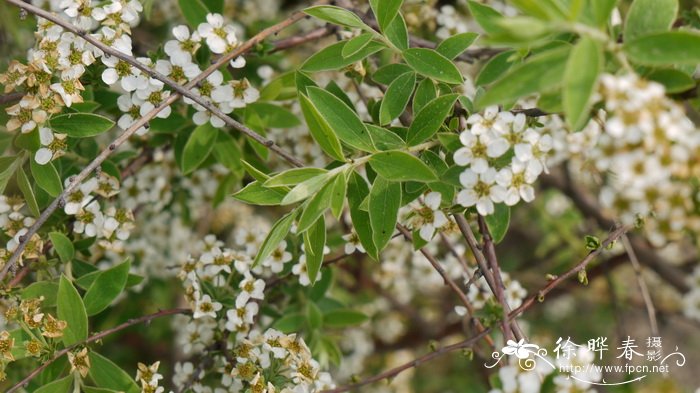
251,289
517,181
300,270
352,243
127,103
238,317
89,220
131,77
278,257
179,72
491,120
184,46
219,37
204,307
52,146
80,197
480,190
426,215
478,149
148,97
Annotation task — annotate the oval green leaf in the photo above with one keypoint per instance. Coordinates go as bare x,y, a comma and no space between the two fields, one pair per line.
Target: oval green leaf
432,64
80,125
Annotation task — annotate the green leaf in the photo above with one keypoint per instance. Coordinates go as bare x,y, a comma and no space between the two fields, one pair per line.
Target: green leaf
384,204
63,385
198,147
385,11
386,74
26,187
106,374
428,121
314,316
70,308
384,139
273,116
495,68
357,192
63,246
290,323
340,186
314,242
456,44
343,317
320,130
80,125
331,57
8,166
47,289
400,166
397,33
317,205
46,177
486,17
433,65
649,16
542,9
106,287
601,10
396,97
356,44
337,16
294,176
305,189
540,73
228,152
92,389
343,120
672,48
674,81
257,194
194,12
580,78
425,92
278,232
498,222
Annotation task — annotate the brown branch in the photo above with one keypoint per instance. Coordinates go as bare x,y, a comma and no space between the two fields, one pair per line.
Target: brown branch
297,40
585,203
446,277
11,98
96,337
643,288
414,363
473,340
490,254
542,293
181,91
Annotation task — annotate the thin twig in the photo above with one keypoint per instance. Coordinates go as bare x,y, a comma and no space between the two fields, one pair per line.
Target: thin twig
614,235
643,288
542,293
490,254
448,280
96,337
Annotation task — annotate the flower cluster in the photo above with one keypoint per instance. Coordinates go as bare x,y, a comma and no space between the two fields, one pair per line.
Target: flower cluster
44,328
15,224
504,156
641,147
269,361
149,378
111,225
